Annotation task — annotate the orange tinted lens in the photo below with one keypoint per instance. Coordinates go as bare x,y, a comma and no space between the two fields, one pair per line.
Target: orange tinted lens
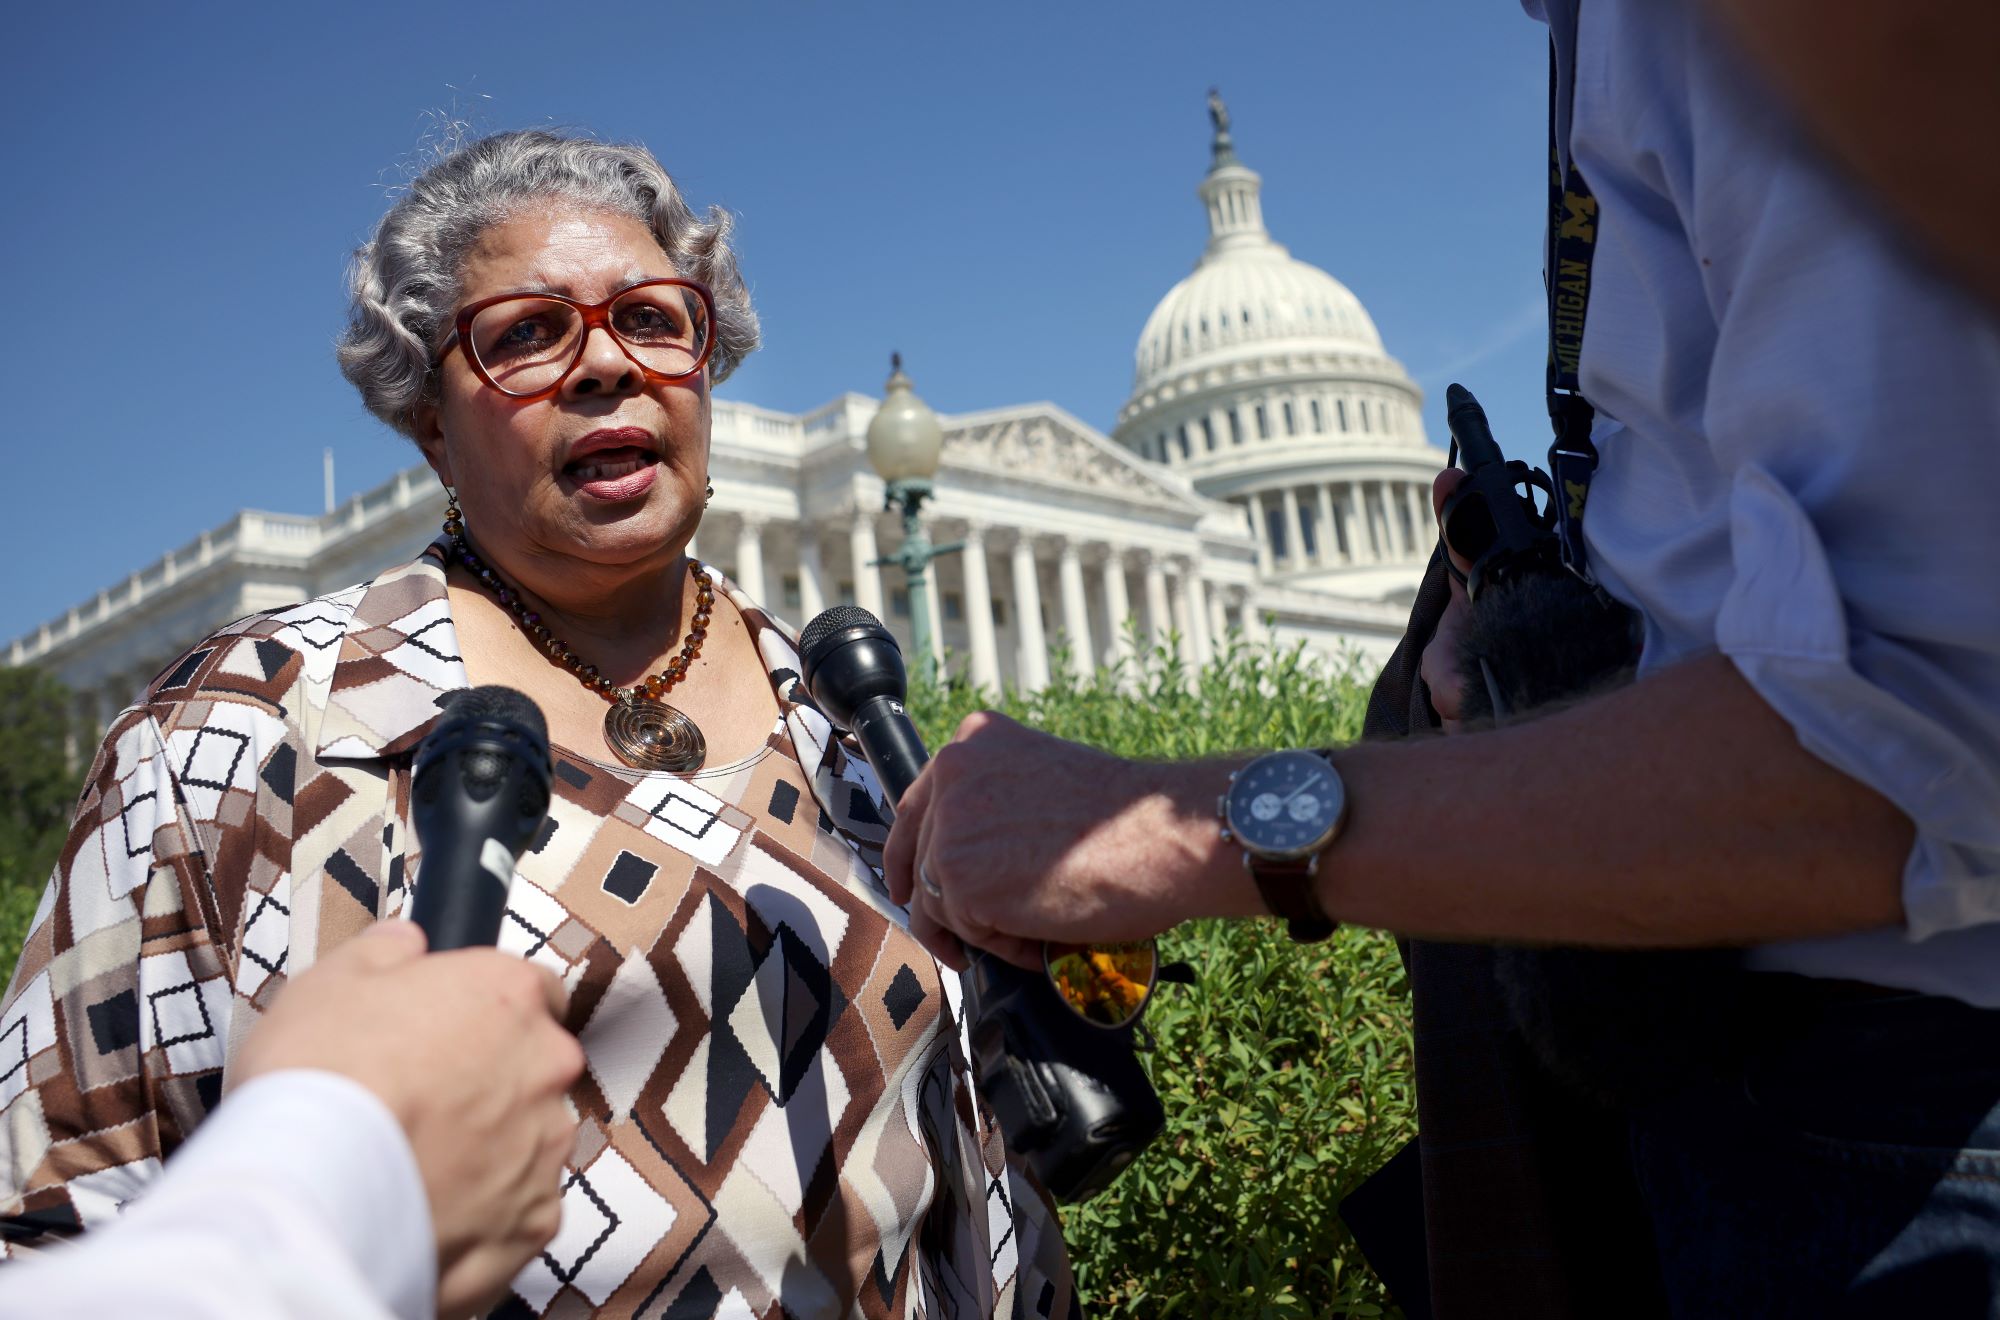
1106,984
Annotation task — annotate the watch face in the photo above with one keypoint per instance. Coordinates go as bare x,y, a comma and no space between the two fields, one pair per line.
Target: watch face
1286,804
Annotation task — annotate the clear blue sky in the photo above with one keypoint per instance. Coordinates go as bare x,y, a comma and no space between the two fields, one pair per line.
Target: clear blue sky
184,184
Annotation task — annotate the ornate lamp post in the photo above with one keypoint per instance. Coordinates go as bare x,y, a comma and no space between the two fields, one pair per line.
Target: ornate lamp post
905,442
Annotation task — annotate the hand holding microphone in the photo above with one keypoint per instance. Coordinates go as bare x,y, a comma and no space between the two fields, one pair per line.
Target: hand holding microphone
466,1050
465,1047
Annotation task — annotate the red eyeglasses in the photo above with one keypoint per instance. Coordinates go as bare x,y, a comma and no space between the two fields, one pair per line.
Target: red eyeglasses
526,344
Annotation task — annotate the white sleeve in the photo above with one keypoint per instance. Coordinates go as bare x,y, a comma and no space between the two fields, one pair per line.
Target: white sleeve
1854,397
299,1200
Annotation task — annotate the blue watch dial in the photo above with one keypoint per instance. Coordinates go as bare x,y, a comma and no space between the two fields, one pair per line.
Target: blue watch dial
1286,804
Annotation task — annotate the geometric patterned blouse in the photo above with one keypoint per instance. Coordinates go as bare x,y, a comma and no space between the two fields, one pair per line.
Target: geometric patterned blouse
777,1117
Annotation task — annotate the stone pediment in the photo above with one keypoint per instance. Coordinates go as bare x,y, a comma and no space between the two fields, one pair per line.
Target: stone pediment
1047,445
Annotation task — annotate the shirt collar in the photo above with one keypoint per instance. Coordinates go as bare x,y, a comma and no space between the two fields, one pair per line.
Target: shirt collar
398,662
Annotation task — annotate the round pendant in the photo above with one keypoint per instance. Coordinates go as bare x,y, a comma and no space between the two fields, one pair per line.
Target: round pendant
651,735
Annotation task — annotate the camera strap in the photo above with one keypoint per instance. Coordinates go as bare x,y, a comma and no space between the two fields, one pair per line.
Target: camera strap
1570,244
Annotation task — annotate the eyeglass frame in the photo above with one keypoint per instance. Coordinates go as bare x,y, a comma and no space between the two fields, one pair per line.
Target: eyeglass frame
596,316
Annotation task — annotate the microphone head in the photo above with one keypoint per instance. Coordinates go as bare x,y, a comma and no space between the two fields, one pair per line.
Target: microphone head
498,720
496,703
848,656
813,641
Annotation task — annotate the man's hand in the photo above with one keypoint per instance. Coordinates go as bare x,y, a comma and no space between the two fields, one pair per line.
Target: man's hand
1031,838
1440,668
465,1050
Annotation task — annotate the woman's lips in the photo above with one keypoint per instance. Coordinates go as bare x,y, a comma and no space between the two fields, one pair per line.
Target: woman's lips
614,474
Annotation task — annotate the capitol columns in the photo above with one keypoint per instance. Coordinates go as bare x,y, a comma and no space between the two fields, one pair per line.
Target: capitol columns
1260,529
1117,605
1159,621
1254,630
1076,611
1360,532
750,556
867,577
1329,533
1295,540
1422,520
1177,605
1194,596
979,610
1033,672
812,573
935,600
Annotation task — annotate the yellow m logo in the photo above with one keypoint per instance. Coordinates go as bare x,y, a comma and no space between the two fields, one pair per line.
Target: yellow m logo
1582,213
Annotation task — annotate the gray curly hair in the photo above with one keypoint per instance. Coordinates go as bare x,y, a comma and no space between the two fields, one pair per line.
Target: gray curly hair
405,280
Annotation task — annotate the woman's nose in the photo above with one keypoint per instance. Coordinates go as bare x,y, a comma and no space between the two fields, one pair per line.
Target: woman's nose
602,368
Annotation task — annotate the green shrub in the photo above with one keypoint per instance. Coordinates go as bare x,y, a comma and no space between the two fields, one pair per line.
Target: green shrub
1285,1072
44,751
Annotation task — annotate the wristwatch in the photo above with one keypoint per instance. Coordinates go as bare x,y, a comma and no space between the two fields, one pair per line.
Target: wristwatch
1283,809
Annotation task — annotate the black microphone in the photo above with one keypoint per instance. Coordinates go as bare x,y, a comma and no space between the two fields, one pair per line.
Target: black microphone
1071,1098
480,796
854,670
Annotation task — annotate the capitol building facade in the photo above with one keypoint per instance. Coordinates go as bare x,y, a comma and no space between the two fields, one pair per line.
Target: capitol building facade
1269,476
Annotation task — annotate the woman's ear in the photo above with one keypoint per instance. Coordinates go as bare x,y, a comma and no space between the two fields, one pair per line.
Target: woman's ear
427,425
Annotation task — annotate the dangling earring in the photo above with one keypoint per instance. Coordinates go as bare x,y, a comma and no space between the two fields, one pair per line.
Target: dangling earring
709,496
454,521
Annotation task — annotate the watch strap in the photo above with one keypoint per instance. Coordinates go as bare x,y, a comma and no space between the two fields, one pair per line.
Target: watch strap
1287,889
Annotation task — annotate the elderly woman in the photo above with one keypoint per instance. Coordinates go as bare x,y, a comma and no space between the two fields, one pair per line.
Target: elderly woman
777,1116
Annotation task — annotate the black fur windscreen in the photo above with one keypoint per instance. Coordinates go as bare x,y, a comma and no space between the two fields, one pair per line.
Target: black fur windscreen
1546,638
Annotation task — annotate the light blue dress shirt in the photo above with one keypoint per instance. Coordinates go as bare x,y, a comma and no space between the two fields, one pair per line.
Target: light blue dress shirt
1800,429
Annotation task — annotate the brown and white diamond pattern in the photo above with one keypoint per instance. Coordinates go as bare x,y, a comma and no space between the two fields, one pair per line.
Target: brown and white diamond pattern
610,1219
28,1030
685,817
181,1013
629,1029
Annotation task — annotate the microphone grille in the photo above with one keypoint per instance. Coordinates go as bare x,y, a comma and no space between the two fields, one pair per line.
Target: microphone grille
829,622
498,702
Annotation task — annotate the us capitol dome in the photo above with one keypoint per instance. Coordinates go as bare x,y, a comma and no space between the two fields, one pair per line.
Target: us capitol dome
1263,382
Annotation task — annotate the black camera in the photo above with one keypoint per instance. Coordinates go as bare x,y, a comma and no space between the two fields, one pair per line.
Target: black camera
1071,1096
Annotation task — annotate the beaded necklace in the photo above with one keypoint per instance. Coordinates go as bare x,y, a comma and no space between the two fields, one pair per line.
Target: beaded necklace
643,731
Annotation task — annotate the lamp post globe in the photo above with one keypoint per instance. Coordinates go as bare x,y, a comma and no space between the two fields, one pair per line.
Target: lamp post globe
905,438
905,442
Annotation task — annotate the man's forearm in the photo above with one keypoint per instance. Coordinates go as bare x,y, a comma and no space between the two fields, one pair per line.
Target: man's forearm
1678,811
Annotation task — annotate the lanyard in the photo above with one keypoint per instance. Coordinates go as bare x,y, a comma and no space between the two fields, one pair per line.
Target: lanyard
1570,244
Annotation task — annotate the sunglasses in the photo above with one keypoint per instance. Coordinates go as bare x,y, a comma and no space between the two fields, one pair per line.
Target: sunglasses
1107,985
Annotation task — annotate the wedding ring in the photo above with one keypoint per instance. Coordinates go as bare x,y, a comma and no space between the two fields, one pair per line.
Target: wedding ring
930,885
